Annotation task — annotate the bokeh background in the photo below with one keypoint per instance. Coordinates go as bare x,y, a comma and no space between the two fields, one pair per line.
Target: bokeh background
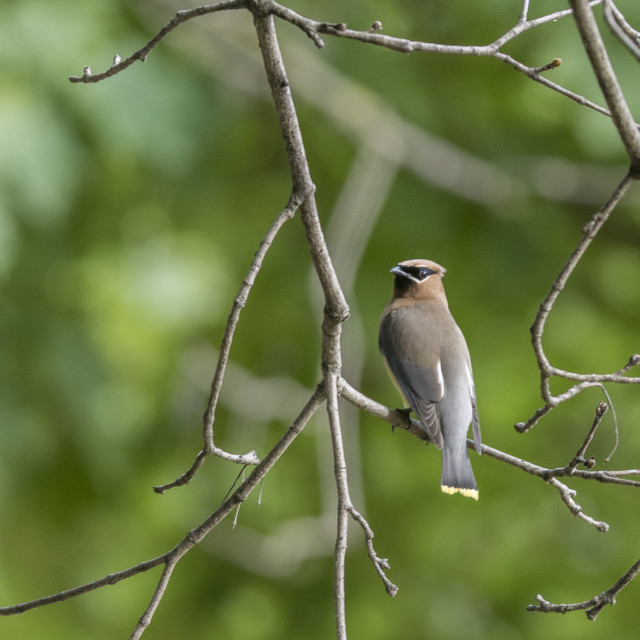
129,213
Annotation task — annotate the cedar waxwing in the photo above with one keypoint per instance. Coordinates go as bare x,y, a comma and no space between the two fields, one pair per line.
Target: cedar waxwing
427,357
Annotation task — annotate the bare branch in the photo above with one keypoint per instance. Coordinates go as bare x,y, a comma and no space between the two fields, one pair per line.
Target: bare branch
380,564
584,381
605,74
524,24
396,418
591,607
524,13
337,306
296,199
546,474
112,578
344,505
145,620
534,74
141,55
549,475
579,458
567,496
239,303
554,401
313,27
336,310
193,537
196,535
186,477
589,232
619,26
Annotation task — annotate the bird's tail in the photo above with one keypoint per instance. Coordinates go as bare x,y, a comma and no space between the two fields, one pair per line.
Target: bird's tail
457,474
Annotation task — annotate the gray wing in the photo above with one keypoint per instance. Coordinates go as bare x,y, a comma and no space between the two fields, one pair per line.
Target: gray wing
475,423
421,384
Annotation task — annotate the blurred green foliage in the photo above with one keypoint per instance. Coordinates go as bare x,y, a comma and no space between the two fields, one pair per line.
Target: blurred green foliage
129,213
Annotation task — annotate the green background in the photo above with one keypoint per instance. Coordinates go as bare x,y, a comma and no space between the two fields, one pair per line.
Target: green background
129,213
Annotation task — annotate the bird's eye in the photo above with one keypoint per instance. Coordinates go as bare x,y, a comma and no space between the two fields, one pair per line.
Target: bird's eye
424,272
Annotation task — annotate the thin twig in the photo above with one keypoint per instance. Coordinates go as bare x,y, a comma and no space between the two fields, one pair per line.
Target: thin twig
567,495
589,232
547,473
296,199
595,605
579,458
380,564
524,24
345,505
547,371
141,54
109,579
535,75
172,560
239,303
619,26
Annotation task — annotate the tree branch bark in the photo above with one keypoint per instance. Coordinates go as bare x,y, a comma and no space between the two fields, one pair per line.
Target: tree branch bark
606,76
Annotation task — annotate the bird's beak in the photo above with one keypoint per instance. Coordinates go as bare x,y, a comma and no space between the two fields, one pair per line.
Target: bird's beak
399,271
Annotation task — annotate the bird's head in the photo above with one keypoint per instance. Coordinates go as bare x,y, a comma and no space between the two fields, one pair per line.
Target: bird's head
418,279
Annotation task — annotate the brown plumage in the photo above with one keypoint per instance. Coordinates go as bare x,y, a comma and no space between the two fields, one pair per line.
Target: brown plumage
428,359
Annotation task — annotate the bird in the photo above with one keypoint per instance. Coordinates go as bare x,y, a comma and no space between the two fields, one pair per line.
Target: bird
427,357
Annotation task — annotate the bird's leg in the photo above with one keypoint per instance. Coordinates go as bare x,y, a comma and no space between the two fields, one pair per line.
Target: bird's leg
406,413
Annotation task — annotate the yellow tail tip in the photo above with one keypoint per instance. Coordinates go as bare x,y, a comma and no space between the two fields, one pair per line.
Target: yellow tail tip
467,493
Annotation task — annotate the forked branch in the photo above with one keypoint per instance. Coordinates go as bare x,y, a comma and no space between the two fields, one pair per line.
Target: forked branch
548,474
193,537
547,371
209,447
591,607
